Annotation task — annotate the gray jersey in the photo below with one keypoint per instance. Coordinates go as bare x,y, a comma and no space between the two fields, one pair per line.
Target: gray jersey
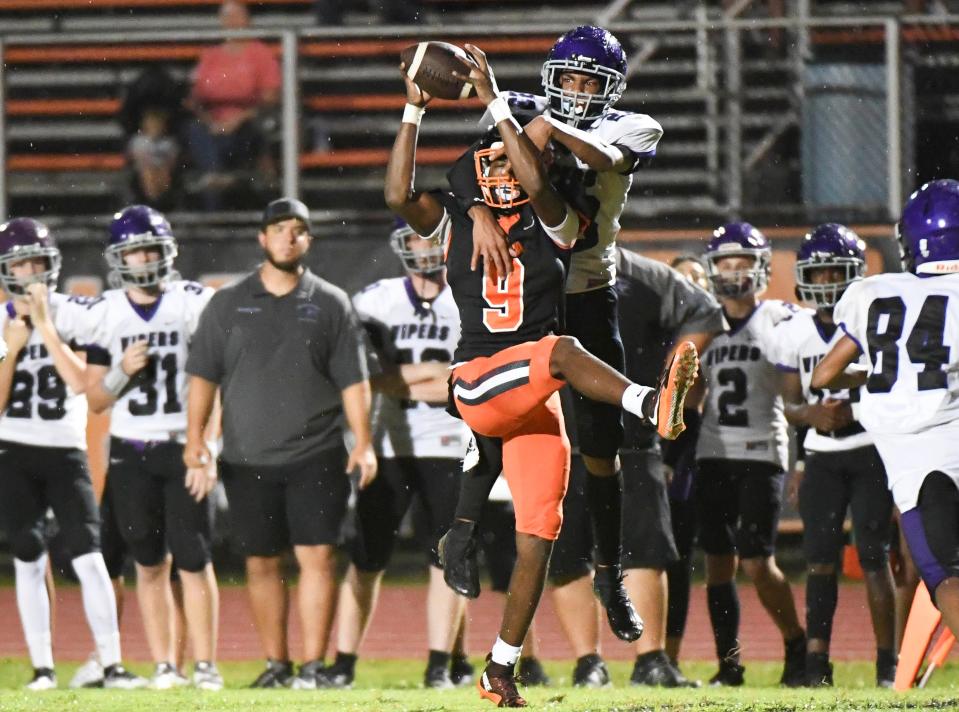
743,418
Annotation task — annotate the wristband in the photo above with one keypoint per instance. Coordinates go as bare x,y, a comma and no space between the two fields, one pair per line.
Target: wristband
499,110
115,381
413,114
214,447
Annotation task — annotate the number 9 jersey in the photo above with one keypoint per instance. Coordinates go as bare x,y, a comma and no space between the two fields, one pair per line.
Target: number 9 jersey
153,406
743,418
42,410
908,328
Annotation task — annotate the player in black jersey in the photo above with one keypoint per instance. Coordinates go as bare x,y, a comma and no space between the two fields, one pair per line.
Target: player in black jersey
509,362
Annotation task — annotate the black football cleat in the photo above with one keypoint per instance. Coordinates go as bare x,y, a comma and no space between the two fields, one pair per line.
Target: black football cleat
730,674
654,669
499,687
818,670
530,673
338,677
622,616
457,555
591,671
886,674
794,663
462,672
438,678
278,673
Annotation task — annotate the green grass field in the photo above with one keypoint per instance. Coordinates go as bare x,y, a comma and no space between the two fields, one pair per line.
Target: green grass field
394,685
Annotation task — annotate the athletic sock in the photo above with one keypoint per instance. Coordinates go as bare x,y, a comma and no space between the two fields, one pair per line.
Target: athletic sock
885,658
505,654
345,662
476,484
33,602
724,615
637,399
438,659
822,594
100,605
605,497
677,603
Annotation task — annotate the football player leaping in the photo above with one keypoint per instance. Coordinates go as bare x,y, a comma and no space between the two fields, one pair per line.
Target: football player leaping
907,325
583,76
136,368
842,468
509,364
43,448
742,453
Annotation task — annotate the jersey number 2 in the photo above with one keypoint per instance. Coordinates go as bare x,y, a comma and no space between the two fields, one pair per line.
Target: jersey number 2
924,346
505,299
730,413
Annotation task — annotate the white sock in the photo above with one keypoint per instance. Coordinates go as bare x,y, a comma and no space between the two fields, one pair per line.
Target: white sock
33,602
504,653
633,398
100,605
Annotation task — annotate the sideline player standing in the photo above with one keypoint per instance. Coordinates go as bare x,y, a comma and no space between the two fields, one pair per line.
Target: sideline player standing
907,325
742,453
510,366
286,349
43,448
842,468
583,76
140,346
414,325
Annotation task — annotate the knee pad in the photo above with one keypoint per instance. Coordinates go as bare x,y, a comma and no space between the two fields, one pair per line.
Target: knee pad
27,545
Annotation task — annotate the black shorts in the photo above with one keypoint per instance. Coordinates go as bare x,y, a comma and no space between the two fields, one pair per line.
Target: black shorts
834,481
573,551
931,530
274,508
111,540
738,503
497,532
647,527
153,508
33,479
380,507
591,317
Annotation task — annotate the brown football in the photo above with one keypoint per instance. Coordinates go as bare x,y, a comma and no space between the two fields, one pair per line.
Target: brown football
431,65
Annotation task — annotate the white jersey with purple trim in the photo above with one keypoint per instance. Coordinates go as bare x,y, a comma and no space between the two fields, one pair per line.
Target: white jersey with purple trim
908,328
405,329
743,418
797,345
42,409
595,267
153,407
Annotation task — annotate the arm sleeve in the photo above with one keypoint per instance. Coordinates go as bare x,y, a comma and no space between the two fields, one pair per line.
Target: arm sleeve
348,358
567,232
208,345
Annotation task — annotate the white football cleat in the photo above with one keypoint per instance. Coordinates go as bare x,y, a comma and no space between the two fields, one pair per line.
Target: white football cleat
167,677
207,677
90,674
43,679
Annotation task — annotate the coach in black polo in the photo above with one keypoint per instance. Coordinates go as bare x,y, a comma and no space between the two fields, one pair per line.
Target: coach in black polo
286,350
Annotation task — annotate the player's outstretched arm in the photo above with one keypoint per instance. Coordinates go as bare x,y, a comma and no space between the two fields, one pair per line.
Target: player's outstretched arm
832,372
421,211
523,154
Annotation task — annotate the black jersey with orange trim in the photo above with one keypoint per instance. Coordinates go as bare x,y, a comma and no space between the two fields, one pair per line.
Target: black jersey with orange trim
525,306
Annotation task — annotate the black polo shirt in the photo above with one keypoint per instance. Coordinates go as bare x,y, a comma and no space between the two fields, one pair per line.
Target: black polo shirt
281,363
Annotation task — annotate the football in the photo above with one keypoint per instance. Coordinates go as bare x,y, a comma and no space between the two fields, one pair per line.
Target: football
431,65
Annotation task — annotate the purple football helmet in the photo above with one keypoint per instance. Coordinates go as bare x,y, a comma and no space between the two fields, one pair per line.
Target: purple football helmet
584,50
138,227
928,230
427,260
25,238
738,239
829,246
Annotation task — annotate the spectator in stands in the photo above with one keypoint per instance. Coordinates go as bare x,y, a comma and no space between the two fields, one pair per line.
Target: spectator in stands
234,84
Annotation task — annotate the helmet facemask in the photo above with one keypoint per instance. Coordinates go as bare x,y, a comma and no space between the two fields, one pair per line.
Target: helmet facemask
825,295
501,191
425,261
580,108
148,274
740,282
17,286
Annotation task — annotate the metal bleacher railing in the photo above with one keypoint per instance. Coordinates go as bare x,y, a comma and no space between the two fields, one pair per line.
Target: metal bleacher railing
750,129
